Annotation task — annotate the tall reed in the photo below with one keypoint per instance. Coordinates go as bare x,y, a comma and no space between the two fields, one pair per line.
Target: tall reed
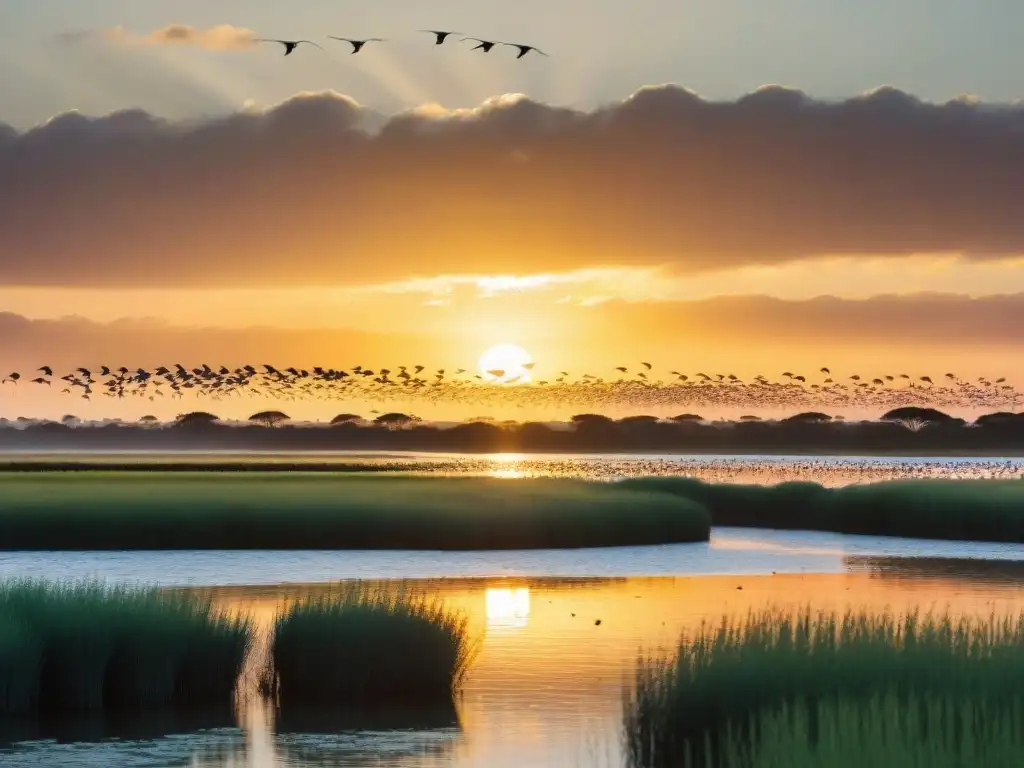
366,648
86,647
982,510
918,731
725,677
279,510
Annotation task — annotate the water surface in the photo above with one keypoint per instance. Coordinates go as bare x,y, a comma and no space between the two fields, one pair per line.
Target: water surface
828,470
730,551
547,687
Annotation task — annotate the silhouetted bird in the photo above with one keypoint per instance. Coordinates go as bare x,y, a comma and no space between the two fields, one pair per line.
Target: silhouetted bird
485,45
441,36
289,45
525,49
357,45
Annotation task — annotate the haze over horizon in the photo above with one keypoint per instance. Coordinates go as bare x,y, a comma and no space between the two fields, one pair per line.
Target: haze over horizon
171,191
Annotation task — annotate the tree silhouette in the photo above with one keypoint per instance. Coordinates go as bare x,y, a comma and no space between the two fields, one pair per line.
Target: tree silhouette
593,419
148,419
808,417
682,418
345,418
395,420
196,418
269,418
638,421
999,418
70,419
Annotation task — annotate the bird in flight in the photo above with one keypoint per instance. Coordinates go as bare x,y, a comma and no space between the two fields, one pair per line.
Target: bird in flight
357,45
525,49
289,45
485,45
441,36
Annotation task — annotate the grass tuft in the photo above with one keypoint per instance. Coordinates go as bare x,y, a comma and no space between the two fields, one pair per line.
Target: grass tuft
929,731
980,510
251,510
367,648
86,648
687,710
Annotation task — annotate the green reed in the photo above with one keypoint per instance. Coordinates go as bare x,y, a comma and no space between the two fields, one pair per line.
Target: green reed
982,510
251,510
367,648
86,647
915,731
722,679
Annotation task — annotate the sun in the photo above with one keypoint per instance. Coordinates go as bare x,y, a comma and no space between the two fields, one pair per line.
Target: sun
506,364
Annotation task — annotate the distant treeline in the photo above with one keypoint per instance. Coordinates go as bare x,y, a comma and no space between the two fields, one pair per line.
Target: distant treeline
906,431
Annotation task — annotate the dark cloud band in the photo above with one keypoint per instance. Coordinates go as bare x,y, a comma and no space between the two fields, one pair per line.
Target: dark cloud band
321,190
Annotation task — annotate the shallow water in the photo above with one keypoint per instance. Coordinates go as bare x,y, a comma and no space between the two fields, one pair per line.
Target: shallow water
547,687
828,470
730,551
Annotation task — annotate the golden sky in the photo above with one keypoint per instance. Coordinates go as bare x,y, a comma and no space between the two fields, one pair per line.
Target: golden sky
772,232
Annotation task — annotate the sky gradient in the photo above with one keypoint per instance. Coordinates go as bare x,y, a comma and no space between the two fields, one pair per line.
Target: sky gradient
171,191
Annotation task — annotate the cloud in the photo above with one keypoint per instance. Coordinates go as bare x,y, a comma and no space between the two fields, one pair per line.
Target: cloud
223,37
319,190
73,341
438,333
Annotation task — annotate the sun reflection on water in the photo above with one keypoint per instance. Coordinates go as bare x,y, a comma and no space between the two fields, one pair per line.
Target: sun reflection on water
507,465
507,607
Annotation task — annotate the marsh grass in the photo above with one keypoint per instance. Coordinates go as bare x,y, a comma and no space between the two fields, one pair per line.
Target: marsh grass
931,731
687,710
367,648
86,648
251,510
981,510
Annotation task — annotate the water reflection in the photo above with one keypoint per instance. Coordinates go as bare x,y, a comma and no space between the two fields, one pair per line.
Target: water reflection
1008,573
546,694
731,550
507,607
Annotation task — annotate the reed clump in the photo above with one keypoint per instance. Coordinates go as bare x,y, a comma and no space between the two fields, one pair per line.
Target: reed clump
367,648
918,731
275,510
85,648
688,709
980,510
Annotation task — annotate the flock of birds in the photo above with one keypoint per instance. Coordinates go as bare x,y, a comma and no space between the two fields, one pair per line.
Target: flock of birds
440,36
755,470
642,388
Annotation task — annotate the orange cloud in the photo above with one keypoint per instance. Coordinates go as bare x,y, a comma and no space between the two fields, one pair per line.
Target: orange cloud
320,190
223,37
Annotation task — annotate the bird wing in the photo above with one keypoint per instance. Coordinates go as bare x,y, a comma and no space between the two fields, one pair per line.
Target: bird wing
310,42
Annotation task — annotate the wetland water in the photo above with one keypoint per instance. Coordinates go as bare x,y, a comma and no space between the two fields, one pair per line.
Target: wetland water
547,687
827,470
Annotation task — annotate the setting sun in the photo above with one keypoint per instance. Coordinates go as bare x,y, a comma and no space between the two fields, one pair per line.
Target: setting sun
506,364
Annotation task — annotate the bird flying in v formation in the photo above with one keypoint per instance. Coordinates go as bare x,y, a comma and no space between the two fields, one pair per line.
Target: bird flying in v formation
440,36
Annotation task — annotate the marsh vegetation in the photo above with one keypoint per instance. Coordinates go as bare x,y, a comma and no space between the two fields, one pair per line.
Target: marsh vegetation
367,648
84,648
729,686
140,511
980,510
